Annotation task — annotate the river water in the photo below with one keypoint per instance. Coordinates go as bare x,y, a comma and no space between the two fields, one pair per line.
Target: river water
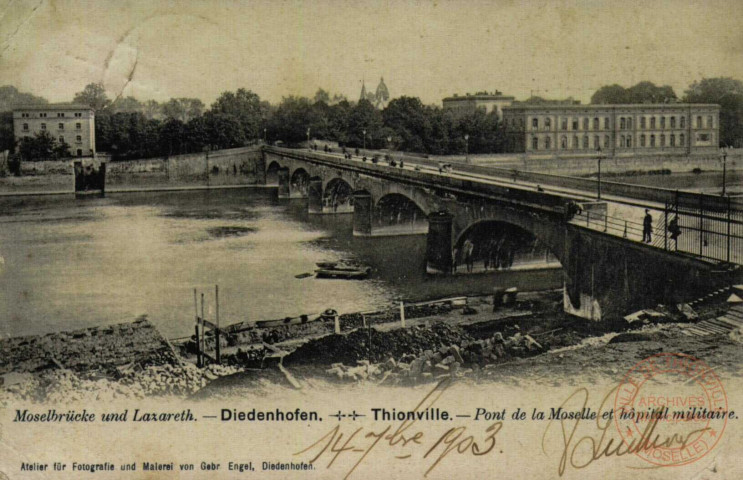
69,264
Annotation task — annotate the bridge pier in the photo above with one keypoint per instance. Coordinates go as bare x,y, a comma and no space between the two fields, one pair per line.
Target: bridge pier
314,195
284,187
363,207
439,243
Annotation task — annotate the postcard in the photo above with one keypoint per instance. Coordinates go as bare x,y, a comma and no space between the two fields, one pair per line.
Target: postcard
359,240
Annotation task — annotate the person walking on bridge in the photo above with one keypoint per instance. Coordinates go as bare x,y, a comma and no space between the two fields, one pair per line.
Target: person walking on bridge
647,227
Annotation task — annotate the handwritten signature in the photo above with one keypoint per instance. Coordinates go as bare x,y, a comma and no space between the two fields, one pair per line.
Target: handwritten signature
580,451
404,439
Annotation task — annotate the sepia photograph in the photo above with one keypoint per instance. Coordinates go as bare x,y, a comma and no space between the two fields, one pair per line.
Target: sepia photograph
377,239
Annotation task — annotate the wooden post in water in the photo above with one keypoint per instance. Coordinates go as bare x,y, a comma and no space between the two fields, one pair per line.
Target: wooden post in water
216,330
196,327
203,330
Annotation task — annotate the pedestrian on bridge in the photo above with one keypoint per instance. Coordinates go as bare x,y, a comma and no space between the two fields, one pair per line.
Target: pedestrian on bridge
647,227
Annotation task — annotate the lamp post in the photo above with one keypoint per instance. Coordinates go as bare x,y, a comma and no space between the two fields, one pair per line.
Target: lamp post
389,142
724,152
599,157
264,135
466,147
308,139
364,132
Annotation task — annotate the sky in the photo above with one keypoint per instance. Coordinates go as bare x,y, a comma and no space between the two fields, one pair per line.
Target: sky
430,49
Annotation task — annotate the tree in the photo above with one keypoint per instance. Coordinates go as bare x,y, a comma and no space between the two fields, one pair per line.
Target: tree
126,104
196,133
93,95
245,106
225,131
11,98
322,96
183,109
291,119
42,146
728,93
648,92
172,136
609,95
152,110
364,117
408,117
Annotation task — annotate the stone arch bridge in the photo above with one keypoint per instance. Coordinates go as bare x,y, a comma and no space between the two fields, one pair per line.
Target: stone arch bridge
605,276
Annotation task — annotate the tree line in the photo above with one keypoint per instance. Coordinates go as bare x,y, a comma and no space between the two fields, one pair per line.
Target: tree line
129,128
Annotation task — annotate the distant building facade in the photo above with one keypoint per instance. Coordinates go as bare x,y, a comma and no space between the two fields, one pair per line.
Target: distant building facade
485,101
680,129
73,124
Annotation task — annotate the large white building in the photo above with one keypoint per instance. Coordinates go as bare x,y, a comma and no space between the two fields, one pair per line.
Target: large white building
70,123
677,128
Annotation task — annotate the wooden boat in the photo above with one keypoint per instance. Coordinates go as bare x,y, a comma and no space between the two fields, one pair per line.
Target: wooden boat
346,272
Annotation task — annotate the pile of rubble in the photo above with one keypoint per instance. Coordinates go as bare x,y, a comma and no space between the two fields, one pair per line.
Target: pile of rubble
65,385
449,359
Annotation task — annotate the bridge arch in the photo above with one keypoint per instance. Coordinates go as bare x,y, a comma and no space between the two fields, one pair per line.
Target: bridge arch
397,213
272,173
498,244
299,182
337,196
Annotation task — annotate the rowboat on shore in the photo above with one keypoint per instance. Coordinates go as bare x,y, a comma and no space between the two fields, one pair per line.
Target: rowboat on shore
341,271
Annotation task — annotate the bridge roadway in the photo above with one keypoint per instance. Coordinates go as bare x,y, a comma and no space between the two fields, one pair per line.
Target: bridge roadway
617,215
609,272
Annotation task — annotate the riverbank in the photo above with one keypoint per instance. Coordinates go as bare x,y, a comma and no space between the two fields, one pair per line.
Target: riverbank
530,339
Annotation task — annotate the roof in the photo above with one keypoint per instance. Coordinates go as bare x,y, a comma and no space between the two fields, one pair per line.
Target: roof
54,106
478,97
634,106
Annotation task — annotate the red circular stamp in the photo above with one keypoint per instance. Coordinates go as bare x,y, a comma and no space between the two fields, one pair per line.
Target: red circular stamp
670,409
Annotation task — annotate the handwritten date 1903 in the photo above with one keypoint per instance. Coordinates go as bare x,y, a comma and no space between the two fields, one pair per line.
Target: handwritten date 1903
404,439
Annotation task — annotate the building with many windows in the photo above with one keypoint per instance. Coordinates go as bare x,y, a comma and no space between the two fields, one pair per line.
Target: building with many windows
70,123
488,102
675,129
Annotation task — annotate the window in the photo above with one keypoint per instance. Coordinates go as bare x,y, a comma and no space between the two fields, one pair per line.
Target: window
24,115
596,141
42,115
78,114
621,141
575,142
43,126
564,142
662,122
61,126
682,139
652,122
607,141
547,143
575,124
564,125
585,140
673,140
585,124
643,122
642,140
78,126
673,122
629,141
709,122
699,122
682,122
596,123
534,123
60,114
547,123
606,123
652,140
622,124
25,127
61,139
535,143
662,140
629,123
79,139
